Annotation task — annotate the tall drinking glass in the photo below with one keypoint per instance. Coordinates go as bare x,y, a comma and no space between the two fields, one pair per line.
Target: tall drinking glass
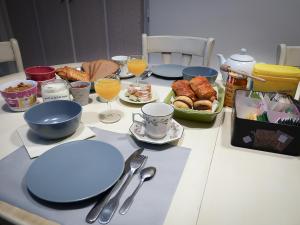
137,64
108,89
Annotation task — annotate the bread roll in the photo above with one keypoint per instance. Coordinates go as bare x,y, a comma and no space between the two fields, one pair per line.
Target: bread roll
202,105
183,102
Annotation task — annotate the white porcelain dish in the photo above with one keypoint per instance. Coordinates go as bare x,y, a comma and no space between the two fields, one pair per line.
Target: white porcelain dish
138,131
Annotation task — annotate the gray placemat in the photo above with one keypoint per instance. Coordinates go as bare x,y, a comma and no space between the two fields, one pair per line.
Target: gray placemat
151,203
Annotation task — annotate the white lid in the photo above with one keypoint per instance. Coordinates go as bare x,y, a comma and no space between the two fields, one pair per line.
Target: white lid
242,57
54,87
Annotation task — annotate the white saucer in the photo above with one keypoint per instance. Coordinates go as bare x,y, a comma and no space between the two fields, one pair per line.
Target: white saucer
126,99
175,133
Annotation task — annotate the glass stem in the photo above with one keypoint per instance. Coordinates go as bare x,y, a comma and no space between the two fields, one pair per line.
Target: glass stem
137,80
108,106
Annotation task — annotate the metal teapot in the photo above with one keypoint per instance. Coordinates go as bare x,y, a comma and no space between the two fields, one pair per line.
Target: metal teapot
239,62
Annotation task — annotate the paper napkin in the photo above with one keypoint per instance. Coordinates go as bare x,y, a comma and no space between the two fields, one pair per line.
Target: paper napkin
36,146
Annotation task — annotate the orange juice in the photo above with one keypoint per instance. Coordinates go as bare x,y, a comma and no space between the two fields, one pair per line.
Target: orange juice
137,66
108,88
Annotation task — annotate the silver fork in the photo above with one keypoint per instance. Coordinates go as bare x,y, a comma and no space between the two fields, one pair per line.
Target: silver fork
110,208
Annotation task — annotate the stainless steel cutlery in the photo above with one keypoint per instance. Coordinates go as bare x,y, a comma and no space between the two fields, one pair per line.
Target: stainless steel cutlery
110,208
146,74
145,174
95,211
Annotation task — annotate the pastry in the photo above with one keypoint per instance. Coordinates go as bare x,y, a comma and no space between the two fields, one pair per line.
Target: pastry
203,89
202,105
182,88
183,102
139,93
69,73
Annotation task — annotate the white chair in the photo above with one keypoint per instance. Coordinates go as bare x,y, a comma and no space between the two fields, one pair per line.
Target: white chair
289,55
186,46
10,51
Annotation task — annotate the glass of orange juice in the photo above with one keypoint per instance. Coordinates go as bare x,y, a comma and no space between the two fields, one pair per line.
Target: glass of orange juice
108,89
137,64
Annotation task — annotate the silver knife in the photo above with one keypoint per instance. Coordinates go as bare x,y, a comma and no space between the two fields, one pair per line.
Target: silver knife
148,74
95,211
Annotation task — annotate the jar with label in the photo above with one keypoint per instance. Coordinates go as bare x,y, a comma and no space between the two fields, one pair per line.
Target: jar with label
234,81
55,90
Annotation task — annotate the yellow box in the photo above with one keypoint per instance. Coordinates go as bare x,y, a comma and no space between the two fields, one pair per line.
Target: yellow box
278,78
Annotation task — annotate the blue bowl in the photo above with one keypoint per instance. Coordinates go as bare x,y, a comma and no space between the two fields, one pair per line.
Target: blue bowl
194,71
54,119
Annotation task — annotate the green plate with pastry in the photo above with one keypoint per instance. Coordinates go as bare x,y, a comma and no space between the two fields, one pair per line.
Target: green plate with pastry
198,115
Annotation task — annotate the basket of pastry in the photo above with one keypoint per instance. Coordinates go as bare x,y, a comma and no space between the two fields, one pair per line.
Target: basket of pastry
90,71
196,99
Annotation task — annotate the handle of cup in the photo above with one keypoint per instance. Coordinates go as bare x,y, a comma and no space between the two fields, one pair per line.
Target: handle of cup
137,121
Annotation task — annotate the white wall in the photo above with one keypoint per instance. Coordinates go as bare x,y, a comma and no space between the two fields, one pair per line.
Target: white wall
258,25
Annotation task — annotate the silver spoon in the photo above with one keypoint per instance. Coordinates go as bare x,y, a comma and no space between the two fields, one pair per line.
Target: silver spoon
145,175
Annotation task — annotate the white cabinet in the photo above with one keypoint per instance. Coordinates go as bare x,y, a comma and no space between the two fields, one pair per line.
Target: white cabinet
63,31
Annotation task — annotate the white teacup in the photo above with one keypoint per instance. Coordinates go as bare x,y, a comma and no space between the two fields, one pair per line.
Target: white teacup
122,61
156,118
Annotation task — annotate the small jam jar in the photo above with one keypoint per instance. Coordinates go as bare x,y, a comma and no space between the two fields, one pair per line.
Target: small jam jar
55,90
234,81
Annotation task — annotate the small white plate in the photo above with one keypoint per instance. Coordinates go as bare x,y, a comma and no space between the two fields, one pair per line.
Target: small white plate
126,99
175,133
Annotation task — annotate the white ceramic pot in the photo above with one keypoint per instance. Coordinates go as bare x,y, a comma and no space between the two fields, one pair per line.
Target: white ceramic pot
240,62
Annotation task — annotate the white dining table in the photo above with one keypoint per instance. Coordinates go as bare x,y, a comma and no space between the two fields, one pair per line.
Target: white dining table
221,184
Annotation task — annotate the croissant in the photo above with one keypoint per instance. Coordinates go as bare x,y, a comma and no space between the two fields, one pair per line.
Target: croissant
69,73
182,88
203,89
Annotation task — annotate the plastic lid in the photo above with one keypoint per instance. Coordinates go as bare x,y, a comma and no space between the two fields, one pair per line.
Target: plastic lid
276,70
242,57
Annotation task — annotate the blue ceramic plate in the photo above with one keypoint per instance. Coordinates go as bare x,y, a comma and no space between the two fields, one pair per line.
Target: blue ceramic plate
169,71
75,171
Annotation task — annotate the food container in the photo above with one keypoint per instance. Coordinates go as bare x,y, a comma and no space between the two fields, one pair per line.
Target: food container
283,79
55,90
54,119
198,115
263,135
20,100
80,91
40,74
234,82
194,71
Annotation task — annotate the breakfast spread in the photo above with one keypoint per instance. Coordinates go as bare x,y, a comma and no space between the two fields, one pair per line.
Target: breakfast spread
139,92
20,87
197,94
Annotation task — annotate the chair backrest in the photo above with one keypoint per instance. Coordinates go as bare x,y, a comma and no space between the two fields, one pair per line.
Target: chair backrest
288,55
186,46
10,51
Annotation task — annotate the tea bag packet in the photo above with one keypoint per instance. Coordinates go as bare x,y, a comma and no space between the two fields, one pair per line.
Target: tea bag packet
274,116
247,107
